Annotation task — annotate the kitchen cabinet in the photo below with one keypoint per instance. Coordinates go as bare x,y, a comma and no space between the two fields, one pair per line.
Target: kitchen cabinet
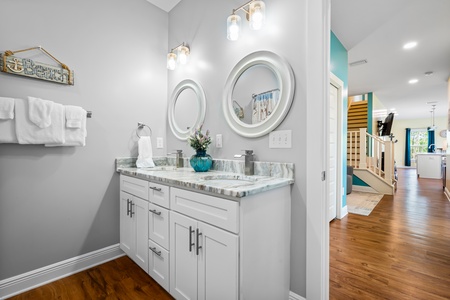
429,165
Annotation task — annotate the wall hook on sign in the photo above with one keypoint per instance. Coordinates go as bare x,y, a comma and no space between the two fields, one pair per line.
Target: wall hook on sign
9,63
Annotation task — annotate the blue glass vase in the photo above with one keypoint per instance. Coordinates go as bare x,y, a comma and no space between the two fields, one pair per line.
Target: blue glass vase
200,161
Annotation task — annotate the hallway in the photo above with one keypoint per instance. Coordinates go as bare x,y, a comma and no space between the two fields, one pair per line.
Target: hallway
400,251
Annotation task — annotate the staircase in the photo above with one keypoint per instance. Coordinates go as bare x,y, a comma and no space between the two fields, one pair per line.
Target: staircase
357,115
374,167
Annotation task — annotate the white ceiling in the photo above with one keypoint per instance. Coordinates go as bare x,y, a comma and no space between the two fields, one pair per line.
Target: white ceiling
166,5
376,30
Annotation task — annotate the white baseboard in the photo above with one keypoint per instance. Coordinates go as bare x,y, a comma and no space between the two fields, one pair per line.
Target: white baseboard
30,280
294,296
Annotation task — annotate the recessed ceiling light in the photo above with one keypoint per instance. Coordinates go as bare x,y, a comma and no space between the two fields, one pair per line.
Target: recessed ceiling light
410,45
412,81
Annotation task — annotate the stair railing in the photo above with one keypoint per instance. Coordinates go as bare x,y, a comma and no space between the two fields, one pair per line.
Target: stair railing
366,152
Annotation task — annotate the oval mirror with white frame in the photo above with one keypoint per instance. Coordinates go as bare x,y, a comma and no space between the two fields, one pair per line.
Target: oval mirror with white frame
258,94
187,108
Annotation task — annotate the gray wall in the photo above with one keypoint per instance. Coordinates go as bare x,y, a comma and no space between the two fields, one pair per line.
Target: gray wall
58,203
202,24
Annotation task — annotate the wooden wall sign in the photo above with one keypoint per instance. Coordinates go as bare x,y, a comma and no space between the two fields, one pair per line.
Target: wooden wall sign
9,63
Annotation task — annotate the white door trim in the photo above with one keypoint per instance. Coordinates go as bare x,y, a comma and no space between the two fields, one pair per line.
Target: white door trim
339,84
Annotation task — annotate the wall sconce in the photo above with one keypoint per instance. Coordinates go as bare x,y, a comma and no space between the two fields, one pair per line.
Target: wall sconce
182,57
255,14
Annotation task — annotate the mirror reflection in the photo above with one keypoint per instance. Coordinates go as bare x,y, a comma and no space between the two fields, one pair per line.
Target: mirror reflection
256,94
186,109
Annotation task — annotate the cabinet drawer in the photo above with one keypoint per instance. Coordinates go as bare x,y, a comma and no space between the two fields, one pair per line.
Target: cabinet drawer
159,194
213,210
158,225
134,186
158,264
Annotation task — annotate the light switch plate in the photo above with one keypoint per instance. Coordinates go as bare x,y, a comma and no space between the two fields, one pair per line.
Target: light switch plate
280,139
218,140
159,143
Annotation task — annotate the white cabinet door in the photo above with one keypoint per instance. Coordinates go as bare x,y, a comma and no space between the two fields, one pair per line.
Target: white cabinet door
127,234
218,264
183,257
139,210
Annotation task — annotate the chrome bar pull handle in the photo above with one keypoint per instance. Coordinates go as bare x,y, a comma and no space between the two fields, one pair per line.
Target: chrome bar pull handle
155,212
197,240
191,231
154,251
131,210
155,188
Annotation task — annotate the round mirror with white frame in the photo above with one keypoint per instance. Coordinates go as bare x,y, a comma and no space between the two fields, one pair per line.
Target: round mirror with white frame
187,108
258,94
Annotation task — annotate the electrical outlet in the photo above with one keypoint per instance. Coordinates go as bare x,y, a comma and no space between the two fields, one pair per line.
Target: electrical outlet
280,139
159,143
218,140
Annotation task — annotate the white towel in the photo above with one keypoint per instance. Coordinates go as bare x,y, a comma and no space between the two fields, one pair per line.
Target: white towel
6,108
74,114
40,111
144,159
28,133
74,136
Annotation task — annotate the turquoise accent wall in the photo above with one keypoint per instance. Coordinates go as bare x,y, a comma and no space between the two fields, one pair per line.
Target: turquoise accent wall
339,67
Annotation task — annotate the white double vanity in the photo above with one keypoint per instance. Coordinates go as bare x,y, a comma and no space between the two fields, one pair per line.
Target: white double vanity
213,235
218,234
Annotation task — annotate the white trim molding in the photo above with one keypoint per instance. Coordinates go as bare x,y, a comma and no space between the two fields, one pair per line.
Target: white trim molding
364,189
294,296
344,212
30,280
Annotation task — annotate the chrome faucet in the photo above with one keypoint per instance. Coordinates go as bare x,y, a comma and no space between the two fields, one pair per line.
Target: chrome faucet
179,161
430,147
249,168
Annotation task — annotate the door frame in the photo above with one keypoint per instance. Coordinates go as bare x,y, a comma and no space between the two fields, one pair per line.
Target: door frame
340,190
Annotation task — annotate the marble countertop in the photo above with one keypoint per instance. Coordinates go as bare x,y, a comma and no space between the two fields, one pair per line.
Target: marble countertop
234,185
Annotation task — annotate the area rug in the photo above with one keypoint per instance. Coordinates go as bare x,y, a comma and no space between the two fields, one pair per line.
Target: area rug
362,203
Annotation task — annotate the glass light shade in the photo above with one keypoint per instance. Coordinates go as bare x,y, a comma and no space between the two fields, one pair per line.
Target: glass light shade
257,14
183,55
171,61
233,27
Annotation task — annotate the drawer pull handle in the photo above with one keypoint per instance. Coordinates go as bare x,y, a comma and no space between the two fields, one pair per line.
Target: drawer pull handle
197,240
131,210
155,188
154,251
155,212
191,231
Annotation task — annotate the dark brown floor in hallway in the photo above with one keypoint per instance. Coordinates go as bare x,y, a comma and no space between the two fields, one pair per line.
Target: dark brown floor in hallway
400,251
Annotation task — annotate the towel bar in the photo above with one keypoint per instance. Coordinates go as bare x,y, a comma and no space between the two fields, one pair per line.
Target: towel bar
141,126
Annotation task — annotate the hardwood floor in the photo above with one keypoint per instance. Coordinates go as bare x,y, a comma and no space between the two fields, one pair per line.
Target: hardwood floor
400,251
118,279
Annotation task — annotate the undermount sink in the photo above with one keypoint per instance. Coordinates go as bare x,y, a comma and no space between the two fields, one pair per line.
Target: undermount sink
229,180
162,168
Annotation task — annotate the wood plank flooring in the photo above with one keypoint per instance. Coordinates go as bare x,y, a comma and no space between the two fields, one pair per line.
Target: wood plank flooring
118,279
400,251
